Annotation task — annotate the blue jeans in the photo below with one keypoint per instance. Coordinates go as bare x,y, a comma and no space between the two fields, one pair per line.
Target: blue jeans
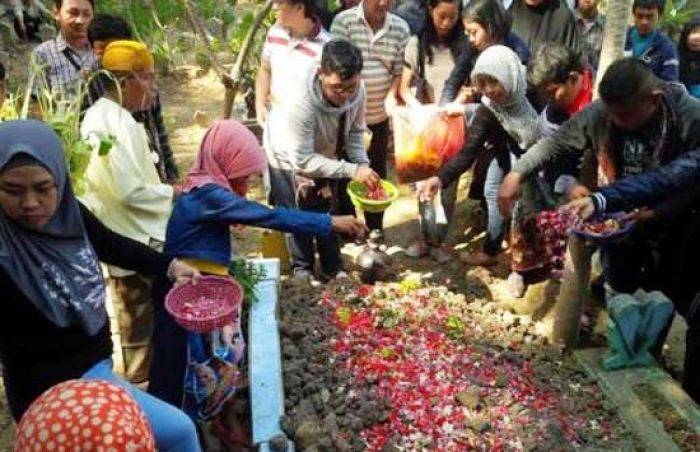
173,430
495,222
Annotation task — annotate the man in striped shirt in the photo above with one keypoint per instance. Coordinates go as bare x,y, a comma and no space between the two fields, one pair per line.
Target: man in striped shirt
292,47
382,37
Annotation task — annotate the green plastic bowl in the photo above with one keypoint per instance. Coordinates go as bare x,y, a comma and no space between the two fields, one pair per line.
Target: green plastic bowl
357,192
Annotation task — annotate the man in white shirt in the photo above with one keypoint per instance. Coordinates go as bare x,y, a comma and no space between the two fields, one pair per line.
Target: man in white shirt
292,48
123,189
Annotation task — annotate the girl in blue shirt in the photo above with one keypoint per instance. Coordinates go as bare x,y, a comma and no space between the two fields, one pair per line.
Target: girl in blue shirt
198,232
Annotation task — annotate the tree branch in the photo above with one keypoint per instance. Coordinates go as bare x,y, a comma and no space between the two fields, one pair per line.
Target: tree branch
199,31
233,81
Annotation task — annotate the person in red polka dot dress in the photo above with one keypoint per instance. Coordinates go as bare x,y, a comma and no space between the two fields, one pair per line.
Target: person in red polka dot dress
84,415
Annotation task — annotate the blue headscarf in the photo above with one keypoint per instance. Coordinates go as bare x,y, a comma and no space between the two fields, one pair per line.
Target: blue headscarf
54,266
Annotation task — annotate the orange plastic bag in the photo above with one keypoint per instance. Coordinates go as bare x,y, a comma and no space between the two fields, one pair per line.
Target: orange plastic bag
424,140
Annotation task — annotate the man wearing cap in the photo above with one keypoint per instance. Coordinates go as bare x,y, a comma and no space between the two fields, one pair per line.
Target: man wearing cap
123,188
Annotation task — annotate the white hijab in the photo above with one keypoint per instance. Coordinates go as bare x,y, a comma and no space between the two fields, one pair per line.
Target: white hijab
517,116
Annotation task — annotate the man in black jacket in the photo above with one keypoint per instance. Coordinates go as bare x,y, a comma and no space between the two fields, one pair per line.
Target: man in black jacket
640,124
646,189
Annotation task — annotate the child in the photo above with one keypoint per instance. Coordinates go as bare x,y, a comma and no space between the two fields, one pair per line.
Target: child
647,43
503,127
689,52
429,60
213,199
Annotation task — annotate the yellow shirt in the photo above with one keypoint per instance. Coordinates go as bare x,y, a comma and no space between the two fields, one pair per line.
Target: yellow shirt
122,188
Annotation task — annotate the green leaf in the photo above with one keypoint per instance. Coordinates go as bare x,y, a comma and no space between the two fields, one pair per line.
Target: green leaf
106,144
248,275
343,314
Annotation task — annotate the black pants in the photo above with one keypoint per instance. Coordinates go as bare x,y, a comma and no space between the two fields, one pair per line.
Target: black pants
167,373
301,246
328,247
377,154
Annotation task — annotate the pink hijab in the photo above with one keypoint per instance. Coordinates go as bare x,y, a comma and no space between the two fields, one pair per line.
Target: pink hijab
228,151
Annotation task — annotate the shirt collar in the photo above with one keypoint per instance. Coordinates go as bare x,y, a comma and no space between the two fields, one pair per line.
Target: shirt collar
315,32
361,15
62,44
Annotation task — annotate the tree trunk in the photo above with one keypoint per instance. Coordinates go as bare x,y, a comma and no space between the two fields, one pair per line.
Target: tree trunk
617,17
233,82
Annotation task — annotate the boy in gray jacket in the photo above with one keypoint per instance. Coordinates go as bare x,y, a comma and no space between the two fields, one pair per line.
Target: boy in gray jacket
324,140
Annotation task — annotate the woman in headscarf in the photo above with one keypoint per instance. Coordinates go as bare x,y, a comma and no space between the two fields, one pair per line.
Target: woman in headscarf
213,199
689,56
504,126
54,324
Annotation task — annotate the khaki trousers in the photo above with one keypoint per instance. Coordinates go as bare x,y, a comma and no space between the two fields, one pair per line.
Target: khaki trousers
131,298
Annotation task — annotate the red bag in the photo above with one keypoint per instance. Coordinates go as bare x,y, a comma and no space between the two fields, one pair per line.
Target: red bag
424,140
446,136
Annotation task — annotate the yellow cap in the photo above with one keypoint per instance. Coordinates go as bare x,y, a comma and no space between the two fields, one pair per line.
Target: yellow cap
127,56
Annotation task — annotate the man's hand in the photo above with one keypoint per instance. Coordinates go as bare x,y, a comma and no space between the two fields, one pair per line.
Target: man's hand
181,273
583,207
349,225
427,189
509,192
643,215
367,176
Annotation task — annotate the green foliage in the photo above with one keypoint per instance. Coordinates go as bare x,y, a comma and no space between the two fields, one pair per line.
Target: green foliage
248,276
154,21
454,327
676,14
63,114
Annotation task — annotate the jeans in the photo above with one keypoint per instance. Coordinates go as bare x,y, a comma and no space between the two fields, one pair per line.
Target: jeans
495,223
301,246
173,430
433,232
377,154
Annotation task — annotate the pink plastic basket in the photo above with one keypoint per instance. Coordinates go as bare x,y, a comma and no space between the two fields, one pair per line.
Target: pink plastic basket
210,304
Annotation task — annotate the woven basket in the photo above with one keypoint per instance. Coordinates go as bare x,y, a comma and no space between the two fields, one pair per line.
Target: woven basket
210,304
